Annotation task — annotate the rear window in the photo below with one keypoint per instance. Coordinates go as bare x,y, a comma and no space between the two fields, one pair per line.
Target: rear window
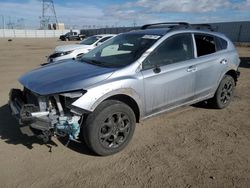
205,44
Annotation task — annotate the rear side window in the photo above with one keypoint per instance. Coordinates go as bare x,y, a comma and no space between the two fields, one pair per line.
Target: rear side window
205,44
221,44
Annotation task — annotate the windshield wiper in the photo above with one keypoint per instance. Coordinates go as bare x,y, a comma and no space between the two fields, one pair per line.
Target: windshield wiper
95,62
86,60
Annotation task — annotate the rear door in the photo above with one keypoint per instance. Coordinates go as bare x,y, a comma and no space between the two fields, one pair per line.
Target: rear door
210,63
169,74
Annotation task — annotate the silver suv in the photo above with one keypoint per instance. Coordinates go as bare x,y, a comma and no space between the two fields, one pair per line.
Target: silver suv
132,76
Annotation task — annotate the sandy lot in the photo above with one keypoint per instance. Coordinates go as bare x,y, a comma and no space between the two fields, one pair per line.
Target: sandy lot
190,147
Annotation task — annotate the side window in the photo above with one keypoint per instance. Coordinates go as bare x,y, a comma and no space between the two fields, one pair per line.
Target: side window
104,39
174,49
221,44
205,44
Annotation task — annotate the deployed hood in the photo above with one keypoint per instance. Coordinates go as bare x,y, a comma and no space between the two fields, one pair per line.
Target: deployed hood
70,47
65,76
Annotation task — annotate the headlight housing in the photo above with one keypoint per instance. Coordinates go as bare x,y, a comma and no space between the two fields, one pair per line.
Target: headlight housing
73,94
69,98
66,53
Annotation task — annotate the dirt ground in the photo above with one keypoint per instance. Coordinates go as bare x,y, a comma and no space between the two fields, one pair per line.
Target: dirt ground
190,147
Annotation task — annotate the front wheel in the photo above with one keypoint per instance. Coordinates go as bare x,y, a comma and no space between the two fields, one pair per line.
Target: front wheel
224,93
109,128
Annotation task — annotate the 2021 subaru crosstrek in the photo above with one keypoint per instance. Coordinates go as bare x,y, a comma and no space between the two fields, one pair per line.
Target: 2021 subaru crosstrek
130,77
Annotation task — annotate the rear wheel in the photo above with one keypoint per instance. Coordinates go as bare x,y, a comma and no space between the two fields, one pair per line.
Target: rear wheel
109,128
224,93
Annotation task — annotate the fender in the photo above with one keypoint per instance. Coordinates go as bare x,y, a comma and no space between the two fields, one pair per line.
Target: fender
96,96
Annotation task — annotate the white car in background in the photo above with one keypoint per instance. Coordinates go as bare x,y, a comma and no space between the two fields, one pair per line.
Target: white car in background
74,51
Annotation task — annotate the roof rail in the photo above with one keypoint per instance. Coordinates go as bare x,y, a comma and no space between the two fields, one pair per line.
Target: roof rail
202,26
166,23
181,25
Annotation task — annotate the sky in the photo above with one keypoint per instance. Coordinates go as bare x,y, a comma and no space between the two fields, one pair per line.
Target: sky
102,13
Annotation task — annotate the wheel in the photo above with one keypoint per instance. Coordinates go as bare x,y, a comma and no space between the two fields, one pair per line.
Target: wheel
109,128
224,93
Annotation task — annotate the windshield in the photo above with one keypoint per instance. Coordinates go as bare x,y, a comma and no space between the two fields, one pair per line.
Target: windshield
90,40
121,50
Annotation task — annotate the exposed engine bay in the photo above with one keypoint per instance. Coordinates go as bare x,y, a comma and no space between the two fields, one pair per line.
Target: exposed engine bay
47,116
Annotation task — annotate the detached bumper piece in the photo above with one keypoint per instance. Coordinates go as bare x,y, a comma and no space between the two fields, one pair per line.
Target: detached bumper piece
24,113
238,73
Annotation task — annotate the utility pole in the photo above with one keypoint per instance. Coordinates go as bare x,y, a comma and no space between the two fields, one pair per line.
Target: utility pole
3,22
10,24
3,25
48,14
134,23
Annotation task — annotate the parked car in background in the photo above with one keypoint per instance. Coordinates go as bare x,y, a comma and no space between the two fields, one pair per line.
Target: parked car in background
74,51
128,78
72,36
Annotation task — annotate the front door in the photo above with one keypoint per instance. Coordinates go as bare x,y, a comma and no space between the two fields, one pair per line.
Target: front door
169,74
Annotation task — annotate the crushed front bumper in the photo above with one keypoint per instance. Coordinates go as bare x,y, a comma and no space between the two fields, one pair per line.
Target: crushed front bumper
28,124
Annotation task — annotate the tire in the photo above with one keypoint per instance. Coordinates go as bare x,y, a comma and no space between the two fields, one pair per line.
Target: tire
102,131
224,94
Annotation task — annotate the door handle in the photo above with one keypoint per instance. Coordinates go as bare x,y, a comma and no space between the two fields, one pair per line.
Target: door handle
191,68
223,61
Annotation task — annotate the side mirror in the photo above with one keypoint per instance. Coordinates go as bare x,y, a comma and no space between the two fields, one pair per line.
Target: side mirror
78,57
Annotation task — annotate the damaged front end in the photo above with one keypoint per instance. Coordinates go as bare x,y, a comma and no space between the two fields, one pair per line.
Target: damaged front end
45,116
